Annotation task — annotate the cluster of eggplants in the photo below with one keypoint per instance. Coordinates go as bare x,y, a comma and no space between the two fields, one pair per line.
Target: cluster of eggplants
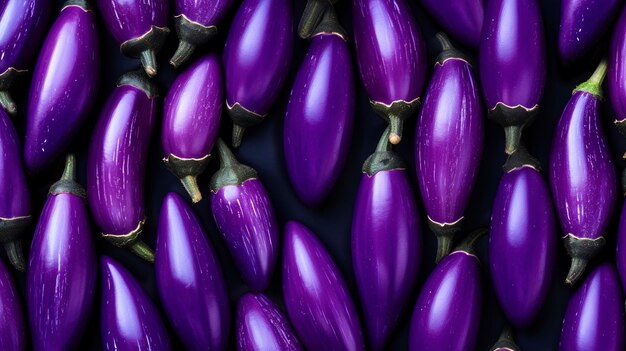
257,57
617,72
582,174
462,19
12,324
117,162
64,85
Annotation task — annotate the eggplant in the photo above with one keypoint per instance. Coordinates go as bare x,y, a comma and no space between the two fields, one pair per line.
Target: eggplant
594,319
12,325
257,57
129,319
191,120
386,241
317,299
139,27
463,20
450,123
23,23
393,64
64,86
261,326
582,174
512,57
117,162
617,72
505,342
192,290
244,215
320,114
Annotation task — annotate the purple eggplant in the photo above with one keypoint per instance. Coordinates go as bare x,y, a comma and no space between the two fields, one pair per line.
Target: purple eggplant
317,299
139,26
450,124
513,65
386,241
261,326
594,319
129,319
65,84
257,57
505,342
117,162
391,56
463,20
582,175
192,290
23,23
244,215
191,120
617,73
320,114
12,325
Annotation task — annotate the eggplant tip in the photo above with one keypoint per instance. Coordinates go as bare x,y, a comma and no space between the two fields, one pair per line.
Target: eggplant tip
576,270
16,255
142,250
394,138
148,61
7,103
182,54
238,131
191,185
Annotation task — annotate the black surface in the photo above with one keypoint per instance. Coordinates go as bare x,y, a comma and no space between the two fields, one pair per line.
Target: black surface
262,149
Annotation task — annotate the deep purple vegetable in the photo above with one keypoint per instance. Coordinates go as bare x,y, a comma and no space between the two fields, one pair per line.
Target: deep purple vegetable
244,215
261,326
513,65
64,85
317,299
449,126
257,57
12,325
117,162
320,114
139,26
463,20
594,319
191,120
192,289
505,342
582,175
129,319
393,64
617,72
386,241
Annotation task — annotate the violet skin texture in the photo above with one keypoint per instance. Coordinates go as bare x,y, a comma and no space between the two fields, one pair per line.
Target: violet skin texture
192,289
594,319
616,74
12,325
64,86
317,299
463,19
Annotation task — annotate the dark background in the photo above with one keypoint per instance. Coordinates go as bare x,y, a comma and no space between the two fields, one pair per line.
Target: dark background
262,149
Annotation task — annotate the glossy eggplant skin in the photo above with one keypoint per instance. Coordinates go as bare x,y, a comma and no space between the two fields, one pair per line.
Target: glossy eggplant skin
64,86
463,20
261,326
192,290
129,319
319,119
12,325
616,75
594,319
317,299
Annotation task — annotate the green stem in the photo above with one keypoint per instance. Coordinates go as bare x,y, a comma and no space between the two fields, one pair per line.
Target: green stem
227,159
69,172
16,255
444,41
311,17
142,250
191,185
576,270
395,123
383,142
467,245
7,102
237,135
182,54
148,61
594,84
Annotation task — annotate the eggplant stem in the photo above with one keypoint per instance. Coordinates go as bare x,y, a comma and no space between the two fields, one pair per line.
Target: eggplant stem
182,54
444,41
16,255
7,102
148,61
594,84
513,136
383,143
468,243
238,131
142,250
506,340
576,270
227,159
444,246
191,185
395,123
311,17
69,172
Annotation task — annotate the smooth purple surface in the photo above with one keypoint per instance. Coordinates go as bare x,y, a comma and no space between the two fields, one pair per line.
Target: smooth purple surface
64,87
317,299
204,12
386,250
594,319
462,19
319,119
15,201
616,73
12,325
449,141
189,278
258,53
129,19
522,244
261,326
245,217
620,256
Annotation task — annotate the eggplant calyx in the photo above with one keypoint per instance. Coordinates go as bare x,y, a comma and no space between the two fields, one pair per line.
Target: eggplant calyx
145,47
468,244
519,159
312,15
7,79
191,35
581,250
132,242
330,25
187,169
242,118
84,4
231,172
11,230
383,159
621,126
449,52
593,85
445,233
395,114
68,184
506,341
138,79
513,119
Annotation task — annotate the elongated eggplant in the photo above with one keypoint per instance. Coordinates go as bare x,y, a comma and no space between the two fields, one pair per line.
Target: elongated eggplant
393,64
582,174
65,84
244,215
257,57
62,267
505,342
129,320
594,319
463,20
23,23
12,325
317,299
117,162
320,114
191,120
140,27
386,241
617,73
192,290
513,65
450,124
261,326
